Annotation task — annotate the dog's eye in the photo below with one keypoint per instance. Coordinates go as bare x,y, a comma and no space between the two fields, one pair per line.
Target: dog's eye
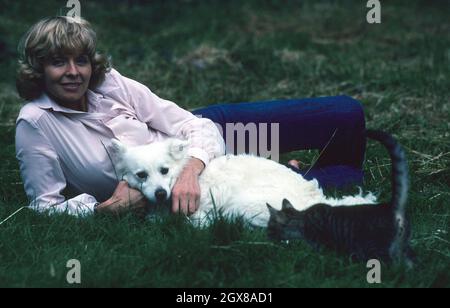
164,170
142,175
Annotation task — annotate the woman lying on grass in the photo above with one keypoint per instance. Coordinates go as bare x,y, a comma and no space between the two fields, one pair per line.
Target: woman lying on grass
76,104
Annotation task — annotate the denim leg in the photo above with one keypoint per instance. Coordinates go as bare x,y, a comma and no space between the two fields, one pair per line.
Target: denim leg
333,125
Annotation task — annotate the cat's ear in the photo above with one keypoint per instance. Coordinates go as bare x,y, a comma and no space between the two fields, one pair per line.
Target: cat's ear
286,205
272,211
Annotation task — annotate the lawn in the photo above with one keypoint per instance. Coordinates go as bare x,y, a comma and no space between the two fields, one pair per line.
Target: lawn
198,53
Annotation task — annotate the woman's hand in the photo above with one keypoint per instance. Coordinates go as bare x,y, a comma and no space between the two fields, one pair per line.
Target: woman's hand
186,191
124,199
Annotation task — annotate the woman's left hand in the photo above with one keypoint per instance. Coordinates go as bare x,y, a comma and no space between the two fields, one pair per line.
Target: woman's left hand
186,191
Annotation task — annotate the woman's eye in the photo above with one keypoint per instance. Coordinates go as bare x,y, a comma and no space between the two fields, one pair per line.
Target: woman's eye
82,60
57,62
142,175
164,170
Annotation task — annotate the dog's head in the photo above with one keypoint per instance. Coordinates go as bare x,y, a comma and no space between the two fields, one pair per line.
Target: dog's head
153,168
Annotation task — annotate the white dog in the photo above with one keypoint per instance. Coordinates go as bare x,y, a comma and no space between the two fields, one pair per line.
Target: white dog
235,185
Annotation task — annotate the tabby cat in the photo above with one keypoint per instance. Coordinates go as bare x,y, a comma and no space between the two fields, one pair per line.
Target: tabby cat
364,232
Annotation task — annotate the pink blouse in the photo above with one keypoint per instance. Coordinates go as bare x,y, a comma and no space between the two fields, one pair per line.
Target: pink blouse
62,152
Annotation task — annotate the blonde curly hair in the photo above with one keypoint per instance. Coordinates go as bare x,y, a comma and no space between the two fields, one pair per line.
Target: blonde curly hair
54,36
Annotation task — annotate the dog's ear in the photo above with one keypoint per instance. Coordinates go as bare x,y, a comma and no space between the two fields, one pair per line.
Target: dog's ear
178,148
117,148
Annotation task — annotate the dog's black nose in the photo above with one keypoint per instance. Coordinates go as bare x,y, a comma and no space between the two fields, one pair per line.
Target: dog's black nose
160,194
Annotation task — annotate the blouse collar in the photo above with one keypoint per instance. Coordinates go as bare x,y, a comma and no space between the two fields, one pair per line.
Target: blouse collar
45,102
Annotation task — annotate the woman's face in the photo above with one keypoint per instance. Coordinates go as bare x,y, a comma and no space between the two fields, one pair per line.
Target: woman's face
67,79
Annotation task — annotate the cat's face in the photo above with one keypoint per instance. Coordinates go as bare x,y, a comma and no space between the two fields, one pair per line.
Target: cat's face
286,224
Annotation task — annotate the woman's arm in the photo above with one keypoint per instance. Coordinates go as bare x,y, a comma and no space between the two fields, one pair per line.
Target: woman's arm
42,175
204,137
124,199
186,191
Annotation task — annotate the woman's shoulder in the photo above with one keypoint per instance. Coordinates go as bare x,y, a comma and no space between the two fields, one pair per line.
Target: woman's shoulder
113,80
31,112
119,87
114,85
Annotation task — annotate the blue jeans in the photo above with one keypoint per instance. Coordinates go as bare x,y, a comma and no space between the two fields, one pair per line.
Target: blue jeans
333,125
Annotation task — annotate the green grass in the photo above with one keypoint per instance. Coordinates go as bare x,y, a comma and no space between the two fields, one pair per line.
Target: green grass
198,53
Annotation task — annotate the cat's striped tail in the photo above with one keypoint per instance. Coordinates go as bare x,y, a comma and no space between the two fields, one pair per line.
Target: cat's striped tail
399,175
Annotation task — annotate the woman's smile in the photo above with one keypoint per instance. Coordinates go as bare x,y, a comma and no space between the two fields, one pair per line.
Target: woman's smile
71,86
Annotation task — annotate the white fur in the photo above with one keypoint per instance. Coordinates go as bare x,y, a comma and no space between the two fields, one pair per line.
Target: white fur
240,185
